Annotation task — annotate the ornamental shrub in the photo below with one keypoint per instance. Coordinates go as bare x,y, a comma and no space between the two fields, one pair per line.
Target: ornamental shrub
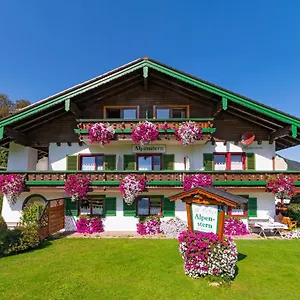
148,226
293,212
173,227
89,225
3,224
31,213
205,254
234,226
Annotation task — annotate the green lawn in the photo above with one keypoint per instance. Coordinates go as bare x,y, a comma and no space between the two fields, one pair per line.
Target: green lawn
144,269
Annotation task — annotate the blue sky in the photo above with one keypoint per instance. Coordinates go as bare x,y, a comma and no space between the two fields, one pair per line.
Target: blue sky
250,47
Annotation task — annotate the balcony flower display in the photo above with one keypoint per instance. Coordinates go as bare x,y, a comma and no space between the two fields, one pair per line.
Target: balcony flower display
145,133
131,186
173,227
235,226
196,180
205,254
77,186
188,132
101,133
281,186
12,185
150,226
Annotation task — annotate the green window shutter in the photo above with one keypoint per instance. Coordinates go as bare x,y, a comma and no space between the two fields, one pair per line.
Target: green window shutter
129,210
110,206
129,162
72,163
110,162
71,207
168,161
250,163
168,208
208,161
252,207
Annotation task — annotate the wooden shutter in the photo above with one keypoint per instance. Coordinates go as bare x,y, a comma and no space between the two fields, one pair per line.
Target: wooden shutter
252,207
129,210
110,206
110,162
208,161
129,162
168,208
72,163
250,163
71,207
168,161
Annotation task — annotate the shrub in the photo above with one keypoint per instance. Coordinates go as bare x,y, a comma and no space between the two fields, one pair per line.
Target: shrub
173,227
30,214
3,224
234,226
293,212
8,240
149,226
205,254
86,225
1,203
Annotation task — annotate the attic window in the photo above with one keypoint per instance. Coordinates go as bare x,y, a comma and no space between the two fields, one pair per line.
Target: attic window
120,112
163,112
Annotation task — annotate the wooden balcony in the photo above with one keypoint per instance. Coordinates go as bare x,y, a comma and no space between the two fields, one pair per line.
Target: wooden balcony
155,178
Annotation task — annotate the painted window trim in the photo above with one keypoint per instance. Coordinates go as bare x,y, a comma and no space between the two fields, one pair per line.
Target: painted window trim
31,196
90,199
80,156
187,107
228,159
149,196
147,154
121,107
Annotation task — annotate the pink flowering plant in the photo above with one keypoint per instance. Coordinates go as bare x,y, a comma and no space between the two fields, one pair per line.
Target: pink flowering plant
234,226
89,225
131,186
196,180
77,186
205,254
281,186
188,132
145,133
101,133
173,227
12,185
150,226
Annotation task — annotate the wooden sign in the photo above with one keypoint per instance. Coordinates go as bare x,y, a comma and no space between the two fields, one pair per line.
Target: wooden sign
148,149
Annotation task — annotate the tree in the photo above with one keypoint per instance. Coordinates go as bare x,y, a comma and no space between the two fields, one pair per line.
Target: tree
6,105
21,103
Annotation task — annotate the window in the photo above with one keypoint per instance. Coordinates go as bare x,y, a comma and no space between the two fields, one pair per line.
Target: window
34,199
240,211
121,113
93,206
229,161
92,162
150,162
171,112
149,206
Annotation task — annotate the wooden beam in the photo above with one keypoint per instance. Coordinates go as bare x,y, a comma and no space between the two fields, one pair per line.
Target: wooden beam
281,132
18,137
73,108
145,75
222,105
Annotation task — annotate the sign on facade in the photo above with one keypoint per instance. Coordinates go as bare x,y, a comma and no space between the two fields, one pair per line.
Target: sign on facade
205,217
148,149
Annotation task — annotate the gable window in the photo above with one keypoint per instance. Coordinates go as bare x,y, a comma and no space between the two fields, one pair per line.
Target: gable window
149,162
93,206
229,161
149,206
162,112
92,162
115,112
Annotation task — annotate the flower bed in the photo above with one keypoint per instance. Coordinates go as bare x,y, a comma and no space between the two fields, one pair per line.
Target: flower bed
145,133
234,226
294,234
89,225
195,180
188,132
12,185
281,186
173,227
150,226
101,133
131,186
205,254
77,186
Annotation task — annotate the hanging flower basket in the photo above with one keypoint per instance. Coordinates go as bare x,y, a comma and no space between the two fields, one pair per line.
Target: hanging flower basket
101,133
131,187
12,185
188,132
195,180
145,133
77,186
281,186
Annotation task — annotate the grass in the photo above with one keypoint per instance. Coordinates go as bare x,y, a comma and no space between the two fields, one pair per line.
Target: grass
144,269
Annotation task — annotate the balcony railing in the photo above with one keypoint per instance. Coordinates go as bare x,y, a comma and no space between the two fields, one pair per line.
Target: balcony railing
154,178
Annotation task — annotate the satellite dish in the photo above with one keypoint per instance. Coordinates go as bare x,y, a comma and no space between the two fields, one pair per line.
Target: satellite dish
247,138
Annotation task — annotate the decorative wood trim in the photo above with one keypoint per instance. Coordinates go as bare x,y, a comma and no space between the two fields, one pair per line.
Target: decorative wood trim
189,216
221,223
282,132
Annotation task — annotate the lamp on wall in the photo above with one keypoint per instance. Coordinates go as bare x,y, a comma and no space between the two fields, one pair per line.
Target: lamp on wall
186,163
